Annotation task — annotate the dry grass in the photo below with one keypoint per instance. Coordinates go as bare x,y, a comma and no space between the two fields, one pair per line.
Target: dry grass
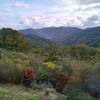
18,92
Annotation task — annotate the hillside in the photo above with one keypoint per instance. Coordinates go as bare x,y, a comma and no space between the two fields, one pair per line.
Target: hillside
71,35
12,40
89,36
34,39
67,35
51,33
54,33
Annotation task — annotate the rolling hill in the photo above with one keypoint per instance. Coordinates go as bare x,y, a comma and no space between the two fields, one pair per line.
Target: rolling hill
11,39
89,36
34,39
64,35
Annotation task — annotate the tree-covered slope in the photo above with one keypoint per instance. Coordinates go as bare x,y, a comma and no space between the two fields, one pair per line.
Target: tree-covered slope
12,40
57,33
34,39
89,36
64,35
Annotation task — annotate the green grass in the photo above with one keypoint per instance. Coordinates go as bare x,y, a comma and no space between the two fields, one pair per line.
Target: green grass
19,92
7,93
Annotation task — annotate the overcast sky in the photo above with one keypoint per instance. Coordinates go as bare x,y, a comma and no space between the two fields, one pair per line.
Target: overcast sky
21,14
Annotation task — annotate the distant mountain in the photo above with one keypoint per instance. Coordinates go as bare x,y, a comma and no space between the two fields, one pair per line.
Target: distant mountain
71,35
54,32
34,39
66,35
89,36
28,31
65,32
50,32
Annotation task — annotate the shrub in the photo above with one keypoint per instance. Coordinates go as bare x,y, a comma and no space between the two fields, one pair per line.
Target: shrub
82,52
90,81
29,74
75,92
67,68
53,68
67,78
41,73
60,84
9,73
50,65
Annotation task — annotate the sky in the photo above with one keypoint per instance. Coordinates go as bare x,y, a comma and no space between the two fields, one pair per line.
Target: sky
20,14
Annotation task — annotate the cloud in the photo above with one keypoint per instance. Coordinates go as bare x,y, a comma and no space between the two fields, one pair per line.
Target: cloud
79,13
91,21
20,5
32,21
44,19
87,2
82,2
65,13
93,18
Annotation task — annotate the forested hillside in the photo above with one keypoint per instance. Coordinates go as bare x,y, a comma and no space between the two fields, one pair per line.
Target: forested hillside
68,35
12,40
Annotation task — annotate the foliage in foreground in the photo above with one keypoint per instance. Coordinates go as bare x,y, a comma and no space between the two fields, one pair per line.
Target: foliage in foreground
52,63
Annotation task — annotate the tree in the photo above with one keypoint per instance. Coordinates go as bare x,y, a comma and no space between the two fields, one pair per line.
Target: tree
13,40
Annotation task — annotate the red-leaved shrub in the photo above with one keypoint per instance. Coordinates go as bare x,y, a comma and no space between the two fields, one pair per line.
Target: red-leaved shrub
28,73
67,78
60,84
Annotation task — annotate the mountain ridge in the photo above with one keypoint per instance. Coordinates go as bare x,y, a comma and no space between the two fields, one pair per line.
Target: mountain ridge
68,35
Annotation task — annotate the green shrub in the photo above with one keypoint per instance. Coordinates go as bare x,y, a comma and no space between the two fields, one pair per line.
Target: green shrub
82,52
13,58
9,73
90,79
67,68
76,93
41,73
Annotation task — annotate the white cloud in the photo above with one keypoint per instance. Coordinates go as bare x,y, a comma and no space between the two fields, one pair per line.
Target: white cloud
26,21
82,2
81,13
68,1
65,13
44,19
21,5
87,2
